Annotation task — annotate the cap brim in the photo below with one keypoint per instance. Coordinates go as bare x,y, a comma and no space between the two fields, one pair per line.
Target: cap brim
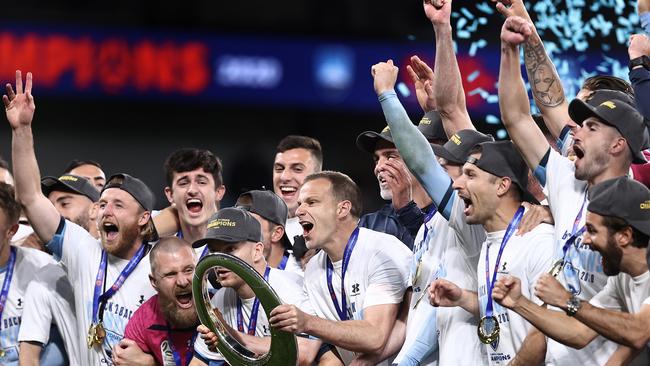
366,141
441,152
579,111
641,225
50,184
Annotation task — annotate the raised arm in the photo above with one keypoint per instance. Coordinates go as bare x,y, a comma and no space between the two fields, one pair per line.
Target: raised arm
545,82
513,99
449,93
19,107
639,75
411,144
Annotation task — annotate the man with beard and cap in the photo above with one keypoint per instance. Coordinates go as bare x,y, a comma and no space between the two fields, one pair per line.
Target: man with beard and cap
194,188
108,276
610,138
49,301
618,227
271,212
234,231
165,325
404,215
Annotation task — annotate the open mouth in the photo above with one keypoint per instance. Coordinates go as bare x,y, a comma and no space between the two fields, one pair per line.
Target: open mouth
468,205
194,205
111,230
306,227
288,191
184,299
578,151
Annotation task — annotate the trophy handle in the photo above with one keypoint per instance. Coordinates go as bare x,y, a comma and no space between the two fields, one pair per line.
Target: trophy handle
284,346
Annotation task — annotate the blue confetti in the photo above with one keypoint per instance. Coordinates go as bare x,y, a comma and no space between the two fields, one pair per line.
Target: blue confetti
473,76
485,7
467,13
411,37
502,134
492,120
403,89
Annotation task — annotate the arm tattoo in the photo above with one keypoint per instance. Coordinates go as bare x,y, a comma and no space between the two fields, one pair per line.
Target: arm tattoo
544,81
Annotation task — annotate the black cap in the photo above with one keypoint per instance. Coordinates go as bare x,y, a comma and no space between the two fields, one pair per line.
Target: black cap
430,126
133,186
624,198
266,204
231,225
70,183
502,159
459,145
614,108
269,206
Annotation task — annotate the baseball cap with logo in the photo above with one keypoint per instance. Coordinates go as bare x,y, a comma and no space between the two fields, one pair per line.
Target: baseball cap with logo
231,225
614,108
269,206
624,198
459,145
70,183
133,186
430,126
502,159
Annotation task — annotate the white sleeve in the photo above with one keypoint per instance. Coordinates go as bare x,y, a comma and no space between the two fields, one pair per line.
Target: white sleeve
559,178
471,236
388,277
77,244
37,315
540,258
607,298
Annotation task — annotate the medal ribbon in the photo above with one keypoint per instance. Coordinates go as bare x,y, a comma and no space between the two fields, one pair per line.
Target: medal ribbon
419,251
283,263
7,282
347,254
100,300
509,231
252,322
575,232
175,353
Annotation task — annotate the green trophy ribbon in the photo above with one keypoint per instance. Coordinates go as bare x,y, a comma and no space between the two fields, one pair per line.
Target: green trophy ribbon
284,346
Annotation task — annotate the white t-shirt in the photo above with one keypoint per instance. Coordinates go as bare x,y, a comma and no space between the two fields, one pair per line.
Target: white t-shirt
451,252
28,262
81,255
377,274
293,228
23,232
526,257
293,266
287,285
50,300
566,195
625,293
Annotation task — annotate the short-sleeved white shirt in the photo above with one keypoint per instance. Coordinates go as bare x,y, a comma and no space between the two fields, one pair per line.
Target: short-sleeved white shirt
287,285
566,195
377,274
81,257
526,257
28,262
50,300
451,253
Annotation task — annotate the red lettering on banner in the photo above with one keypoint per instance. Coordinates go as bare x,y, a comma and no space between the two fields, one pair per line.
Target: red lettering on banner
112,64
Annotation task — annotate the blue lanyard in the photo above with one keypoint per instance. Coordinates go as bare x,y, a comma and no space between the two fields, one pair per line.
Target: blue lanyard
283,263
347,254
7,282
175,353
575,232
204,252
252,322
179,234
99,282
509,231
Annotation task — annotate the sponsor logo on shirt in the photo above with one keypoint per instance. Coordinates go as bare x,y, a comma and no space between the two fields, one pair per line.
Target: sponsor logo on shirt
355,290
167,355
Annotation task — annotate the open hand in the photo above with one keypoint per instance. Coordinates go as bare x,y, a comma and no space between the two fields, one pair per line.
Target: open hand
424,80
19,105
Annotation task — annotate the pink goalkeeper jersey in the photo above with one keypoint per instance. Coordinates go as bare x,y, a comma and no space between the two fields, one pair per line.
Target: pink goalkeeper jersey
149,329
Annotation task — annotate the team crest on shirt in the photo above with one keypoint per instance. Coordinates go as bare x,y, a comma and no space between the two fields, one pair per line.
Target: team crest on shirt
167,354
495,344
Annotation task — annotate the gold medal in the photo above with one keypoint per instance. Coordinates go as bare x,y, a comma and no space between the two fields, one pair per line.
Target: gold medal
92,332
96,335
488,329
416,275
557,267
2,353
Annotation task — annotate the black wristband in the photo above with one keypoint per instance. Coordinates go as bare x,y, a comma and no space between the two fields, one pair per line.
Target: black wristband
640,61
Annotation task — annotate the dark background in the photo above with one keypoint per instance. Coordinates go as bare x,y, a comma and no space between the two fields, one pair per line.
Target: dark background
135,135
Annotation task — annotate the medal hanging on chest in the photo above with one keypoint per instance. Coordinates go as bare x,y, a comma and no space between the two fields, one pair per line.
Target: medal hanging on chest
488,327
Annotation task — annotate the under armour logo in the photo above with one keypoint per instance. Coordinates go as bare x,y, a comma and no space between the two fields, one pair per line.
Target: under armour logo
266,329
20,302
355,288
503,268
141,299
